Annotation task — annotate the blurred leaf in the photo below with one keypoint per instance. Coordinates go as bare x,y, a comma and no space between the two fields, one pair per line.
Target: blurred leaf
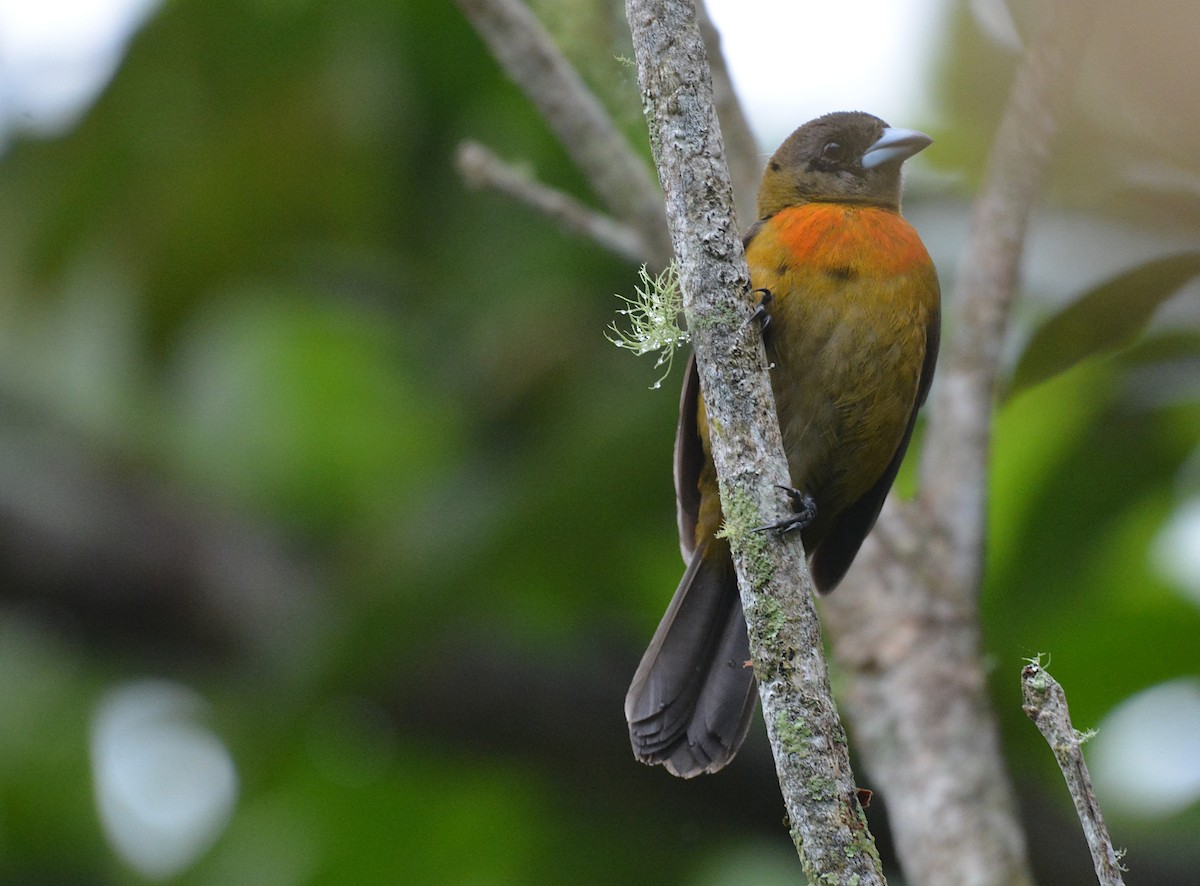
1104,319
305,410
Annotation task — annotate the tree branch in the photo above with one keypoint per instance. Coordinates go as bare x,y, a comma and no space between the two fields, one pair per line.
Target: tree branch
121,559
906,623
481,168
955,459
807,738
616,173
1046,706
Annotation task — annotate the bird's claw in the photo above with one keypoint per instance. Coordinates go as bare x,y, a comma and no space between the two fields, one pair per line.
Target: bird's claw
760,314
804,511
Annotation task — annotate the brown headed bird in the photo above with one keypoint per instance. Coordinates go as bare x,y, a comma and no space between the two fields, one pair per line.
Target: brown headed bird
852,339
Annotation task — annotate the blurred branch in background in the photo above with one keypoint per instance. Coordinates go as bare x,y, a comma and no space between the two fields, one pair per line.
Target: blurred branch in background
618,175
741,150
136,566
955,459
907,628
482,168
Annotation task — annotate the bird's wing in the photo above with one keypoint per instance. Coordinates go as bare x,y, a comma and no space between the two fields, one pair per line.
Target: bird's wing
689,460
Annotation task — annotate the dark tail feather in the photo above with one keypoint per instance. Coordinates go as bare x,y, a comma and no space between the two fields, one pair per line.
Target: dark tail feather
690,703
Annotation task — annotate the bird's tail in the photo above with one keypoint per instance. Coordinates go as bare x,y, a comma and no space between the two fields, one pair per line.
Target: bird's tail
691,700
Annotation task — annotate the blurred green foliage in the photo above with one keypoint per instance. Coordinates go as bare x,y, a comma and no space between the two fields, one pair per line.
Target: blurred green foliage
251,282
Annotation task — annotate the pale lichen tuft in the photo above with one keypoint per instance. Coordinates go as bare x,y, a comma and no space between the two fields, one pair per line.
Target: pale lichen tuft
653,314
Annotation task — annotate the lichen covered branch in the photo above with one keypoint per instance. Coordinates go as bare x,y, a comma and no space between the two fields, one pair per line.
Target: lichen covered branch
806,735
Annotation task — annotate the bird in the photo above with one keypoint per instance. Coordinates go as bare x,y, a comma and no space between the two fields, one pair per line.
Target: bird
851,331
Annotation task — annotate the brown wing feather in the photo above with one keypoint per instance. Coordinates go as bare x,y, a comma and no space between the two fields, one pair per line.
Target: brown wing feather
689,461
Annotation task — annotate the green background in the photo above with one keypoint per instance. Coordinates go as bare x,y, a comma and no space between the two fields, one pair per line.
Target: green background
291,416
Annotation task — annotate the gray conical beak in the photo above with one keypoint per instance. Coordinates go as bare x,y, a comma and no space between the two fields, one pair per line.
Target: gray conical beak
895,146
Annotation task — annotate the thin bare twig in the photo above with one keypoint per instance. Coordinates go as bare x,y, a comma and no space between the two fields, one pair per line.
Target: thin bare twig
806,735
1046,706
618,174
481,168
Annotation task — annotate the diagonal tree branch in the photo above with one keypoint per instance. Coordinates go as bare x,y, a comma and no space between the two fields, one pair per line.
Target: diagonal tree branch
806,735
617,174
482,168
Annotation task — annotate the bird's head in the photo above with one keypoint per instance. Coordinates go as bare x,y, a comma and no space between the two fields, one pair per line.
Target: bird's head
844,157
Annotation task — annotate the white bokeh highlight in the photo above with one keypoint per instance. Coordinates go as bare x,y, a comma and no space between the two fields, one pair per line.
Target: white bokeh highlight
57,55
789,61
1176,551
165,785
1145,761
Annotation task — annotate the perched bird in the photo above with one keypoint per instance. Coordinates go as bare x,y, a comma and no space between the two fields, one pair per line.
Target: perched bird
852,339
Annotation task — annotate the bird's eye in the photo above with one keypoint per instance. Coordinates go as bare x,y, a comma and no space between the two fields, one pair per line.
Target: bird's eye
832,151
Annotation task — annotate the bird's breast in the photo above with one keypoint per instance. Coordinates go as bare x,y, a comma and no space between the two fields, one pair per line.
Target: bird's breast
853,295
843,238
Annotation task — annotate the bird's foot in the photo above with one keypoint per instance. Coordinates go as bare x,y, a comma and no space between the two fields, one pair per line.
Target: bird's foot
804,511
761,315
